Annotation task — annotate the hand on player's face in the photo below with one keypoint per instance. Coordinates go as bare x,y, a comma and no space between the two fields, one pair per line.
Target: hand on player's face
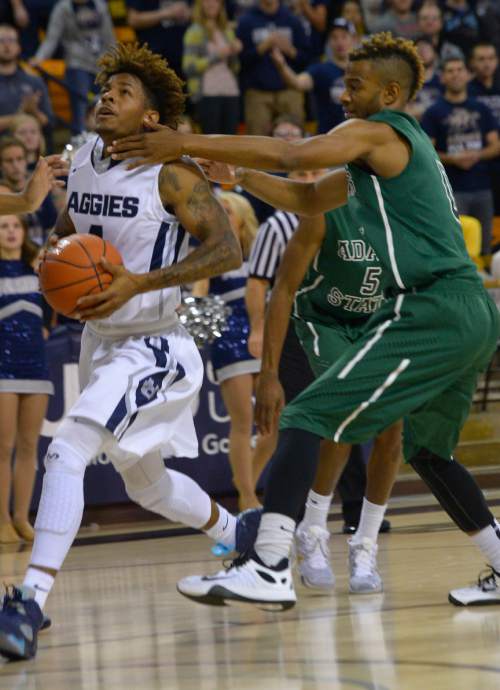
103,304
160,145
270,400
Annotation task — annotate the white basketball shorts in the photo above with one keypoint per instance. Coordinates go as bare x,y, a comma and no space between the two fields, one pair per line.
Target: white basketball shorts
143,390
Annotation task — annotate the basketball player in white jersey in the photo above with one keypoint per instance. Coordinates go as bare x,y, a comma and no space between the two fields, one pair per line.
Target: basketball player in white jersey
140,370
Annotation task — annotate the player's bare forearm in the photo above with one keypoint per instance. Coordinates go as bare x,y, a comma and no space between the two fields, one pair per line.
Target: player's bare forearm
214,256
303,246
349,141
304,198
255,302
14,203
183,186
279,192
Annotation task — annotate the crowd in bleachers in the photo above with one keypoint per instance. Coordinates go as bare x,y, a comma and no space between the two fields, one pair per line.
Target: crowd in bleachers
246,63
256,66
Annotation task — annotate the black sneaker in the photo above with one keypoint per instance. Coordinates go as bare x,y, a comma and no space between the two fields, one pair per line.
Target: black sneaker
20,621
350,528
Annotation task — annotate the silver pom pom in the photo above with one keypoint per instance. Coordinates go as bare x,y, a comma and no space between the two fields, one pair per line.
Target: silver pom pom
205,318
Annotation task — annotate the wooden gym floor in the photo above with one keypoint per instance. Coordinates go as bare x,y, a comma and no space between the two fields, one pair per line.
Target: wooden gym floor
118,622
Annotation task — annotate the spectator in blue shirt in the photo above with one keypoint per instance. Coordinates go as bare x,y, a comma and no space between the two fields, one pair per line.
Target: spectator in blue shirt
20,92
432,89
162,25
465,135
314,17
461,24
324,79
262,28
485,86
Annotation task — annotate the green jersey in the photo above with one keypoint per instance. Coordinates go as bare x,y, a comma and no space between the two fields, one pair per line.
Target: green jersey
345,281
410,220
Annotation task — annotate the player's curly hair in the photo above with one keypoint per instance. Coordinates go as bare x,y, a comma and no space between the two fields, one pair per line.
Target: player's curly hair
385,47
161,84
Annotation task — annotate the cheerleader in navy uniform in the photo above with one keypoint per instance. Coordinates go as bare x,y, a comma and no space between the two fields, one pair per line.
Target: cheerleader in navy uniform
24,383
234,367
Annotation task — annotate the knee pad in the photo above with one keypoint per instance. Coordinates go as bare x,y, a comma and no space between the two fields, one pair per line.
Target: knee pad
153,494
61,503
86,438
455,489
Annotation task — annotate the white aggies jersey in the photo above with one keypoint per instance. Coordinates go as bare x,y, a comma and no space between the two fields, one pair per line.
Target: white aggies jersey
124,207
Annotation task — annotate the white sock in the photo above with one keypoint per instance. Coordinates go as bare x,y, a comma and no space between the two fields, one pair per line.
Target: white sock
317,509
274,538
488,540
224,530
40,582
371,518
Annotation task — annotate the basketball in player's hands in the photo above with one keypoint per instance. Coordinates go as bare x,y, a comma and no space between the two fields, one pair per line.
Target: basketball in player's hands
71,269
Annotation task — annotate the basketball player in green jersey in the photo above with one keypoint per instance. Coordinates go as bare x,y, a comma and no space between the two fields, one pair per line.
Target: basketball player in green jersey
418,356
331,280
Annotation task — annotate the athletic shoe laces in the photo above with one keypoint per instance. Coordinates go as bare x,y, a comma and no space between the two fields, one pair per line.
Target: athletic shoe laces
314,543
486,580
364,555
13,601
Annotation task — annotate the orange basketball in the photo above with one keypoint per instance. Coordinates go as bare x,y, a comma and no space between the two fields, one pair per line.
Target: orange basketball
72,269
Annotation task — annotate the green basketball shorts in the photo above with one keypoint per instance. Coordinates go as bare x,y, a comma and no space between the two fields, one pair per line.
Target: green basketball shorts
325,344
418,357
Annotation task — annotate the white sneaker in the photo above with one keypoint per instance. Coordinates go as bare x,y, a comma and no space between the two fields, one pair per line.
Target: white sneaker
246,580
313,555
485,592
364,576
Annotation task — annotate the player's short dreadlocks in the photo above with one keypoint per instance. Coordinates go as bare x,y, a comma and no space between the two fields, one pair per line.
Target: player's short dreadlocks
161,84
384,47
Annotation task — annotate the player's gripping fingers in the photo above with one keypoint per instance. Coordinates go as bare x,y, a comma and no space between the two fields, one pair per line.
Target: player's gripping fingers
124,286
148,148
58,166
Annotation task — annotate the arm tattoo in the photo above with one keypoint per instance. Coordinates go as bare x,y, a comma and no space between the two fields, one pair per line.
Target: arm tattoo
169,177
219,250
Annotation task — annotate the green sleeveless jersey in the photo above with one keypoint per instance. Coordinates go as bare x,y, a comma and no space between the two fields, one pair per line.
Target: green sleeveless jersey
410,220
345,281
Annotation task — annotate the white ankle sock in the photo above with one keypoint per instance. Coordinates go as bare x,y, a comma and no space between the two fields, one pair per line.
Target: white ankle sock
224,530
488,540
40,582
274,538
371,518
317,508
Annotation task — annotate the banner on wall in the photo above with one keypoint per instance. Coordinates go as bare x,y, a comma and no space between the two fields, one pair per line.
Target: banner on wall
102,483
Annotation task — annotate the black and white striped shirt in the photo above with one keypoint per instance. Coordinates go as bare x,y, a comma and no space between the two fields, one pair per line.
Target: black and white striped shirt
270,244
